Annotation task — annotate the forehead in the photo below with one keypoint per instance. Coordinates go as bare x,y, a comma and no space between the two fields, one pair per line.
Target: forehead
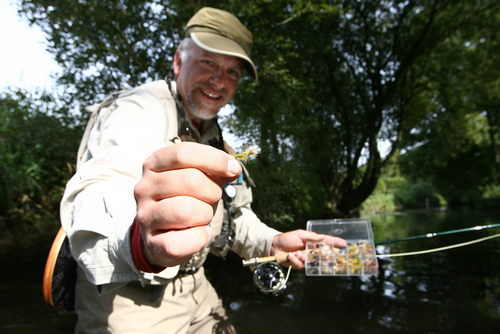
230,61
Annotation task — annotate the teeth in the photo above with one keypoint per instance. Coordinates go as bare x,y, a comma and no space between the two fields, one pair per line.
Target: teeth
210,94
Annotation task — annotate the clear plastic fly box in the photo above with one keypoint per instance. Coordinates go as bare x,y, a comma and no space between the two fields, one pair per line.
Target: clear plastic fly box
356,259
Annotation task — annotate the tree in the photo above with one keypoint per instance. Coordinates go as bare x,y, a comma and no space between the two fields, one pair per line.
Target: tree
38,142
347,75
336,77
456,143
105,45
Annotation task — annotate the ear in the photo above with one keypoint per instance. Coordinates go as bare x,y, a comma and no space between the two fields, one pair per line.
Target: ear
177,63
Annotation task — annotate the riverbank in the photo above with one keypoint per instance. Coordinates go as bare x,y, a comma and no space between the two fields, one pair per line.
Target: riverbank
396,192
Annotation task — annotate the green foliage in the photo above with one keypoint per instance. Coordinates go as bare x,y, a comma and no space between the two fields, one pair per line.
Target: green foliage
394,192
456,159
380,202
38,143
104,45
418,195
336,77
455,146
490,198
286,199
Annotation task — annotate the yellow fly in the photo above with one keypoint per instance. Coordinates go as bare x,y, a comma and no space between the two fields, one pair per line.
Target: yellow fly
243,156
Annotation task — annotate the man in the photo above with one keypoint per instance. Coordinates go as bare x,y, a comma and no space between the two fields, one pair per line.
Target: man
145,209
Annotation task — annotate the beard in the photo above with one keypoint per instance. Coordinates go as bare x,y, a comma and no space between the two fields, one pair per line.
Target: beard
204,109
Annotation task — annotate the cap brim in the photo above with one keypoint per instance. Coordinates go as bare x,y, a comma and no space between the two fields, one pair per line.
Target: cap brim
222,45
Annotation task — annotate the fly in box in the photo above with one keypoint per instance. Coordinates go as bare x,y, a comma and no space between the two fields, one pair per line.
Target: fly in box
357,258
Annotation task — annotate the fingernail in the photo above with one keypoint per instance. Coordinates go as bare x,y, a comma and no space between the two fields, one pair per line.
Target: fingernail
233,167
209,230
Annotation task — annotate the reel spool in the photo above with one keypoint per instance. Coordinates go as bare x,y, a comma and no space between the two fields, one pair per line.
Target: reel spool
269,279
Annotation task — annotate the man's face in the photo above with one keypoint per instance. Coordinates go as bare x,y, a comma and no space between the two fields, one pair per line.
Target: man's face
206,81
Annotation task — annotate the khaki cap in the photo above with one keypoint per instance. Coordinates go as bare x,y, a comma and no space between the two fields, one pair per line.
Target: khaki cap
221,32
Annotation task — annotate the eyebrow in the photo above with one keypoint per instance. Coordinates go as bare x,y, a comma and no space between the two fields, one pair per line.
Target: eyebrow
241,65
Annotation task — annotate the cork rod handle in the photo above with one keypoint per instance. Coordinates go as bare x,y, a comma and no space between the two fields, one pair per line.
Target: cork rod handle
278,258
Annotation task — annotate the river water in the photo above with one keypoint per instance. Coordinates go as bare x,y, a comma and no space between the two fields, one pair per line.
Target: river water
452,291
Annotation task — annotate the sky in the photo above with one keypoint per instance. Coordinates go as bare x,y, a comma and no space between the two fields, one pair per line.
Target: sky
24,61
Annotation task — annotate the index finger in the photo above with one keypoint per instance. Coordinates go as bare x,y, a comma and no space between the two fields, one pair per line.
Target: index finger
309,236
193,155
337,242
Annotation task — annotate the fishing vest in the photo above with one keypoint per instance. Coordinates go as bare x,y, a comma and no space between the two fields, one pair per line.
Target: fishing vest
181,129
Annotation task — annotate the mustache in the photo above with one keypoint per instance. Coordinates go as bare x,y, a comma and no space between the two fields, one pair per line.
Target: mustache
221,92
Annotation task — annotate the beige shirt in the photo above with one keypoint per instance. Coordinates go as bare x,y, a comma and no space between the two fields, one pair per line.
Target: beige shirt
98,206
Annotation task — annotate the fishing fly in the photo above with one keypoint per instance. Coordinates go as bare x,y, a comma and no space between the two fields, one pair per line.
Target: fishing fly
245,154
358,258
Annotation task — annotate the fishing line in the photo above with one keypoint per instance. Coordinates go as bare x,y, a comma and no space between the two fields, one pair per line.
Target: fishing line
286,279
270,280
442,248
436,234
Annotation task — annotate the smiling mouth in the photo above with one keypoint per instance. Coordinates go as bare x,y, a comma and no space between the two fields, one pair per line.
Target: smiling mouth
213,96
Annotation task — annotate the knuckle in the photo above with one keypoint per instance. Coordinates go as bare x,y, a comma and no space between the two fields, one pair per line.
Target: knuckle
181,154
217,195
184,212
139,190
206,214
192,179
149,162
203,238
192,212
145,216
140,215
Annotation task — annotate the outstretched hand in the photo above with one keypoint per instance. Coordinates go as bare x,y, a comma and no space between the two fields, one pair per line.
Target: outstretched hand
294,242
177,198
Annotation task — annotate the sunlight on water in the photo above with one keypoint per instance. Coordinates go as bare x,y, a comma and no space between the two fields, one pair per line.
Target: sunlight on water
454,291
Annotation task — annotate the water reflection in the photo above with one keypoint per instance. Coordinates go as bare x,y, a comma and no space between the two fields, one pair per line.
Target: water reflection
455,291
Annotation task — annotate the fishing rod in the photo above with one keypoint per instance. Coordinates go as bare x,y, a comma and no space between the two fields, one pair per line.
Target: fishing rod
437,234
282,257
270,279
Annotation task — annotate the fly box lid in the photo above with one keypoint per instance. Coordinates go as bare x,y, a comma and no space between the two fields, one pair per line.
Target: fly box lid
358,258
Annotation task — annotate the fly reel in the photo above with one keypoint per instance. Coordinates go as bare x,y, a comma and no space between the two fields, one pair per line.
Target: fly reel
269,279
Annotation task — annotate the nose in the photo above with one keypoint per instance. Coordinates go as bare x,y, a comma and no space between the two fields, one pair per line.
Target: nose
218,79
